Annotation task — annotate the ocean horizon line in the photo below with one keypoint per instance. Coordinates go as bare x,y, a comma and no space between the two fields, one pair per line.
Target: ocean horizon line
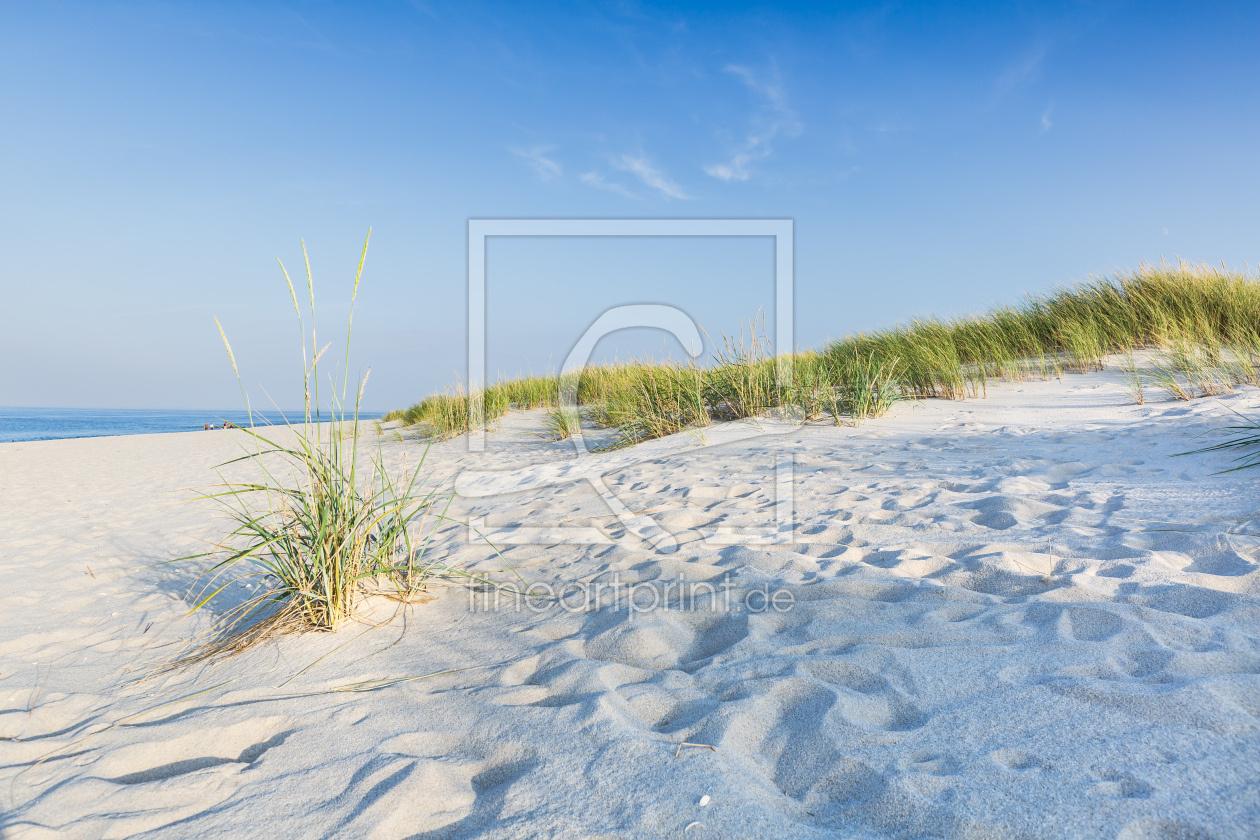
31,423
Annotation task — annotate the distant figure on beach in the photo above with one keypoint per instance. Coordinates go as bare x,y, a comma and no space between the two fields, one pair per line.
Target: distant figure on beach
207,426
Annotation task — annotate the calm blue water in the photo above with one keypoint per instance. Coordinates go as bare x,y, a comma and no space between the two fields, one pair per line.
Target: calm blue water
53,423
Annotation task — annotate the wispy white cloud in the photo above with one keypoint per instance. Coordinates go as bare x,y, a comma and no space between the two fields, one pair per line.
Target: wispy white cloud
1046,125
1026,68
640,167
772,118
594,179
536,157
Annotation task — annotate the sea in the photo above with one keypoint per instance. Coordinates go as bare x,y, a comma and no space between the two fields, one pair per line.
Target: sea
22,424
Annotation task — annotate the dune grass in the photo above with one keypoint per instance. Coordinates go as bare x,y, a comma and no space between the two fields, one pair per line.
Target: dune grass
318,528
561,423
1203,323
1242,438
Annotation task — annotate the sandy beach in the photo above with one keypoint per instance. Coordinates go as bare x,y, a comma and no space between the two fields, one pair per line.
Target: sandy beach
1011,617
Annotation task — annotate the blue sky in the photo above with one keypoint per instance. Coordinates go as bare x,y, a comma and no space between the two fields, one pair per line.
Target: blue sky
936,158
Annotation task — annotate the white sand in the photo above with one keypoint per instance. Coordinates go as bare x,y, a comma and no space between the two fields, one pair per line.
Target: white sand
927,683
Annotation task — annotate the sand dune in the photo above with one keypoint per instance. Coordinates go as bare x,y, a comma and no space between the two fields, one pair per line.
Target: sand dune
937,671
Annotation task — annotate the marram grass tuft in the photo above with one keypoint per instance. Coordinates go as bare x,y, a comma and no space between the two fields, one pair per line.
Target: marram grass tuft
318,529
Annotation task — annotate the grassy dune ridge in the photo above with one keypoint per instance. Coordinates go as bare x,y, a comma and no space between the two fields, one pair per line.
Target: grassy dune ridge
1204,320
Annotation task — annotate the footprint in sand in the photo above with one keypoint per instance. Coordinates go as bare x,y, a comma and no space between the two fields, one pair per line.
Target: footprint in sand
666,639
408,789
925,761
1014,759
1089,624
1121,785
1155,828
867,699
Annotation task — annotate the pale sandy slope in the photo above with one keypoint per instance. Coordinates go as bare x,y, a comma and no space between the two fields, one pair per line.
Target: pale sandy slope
927,683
